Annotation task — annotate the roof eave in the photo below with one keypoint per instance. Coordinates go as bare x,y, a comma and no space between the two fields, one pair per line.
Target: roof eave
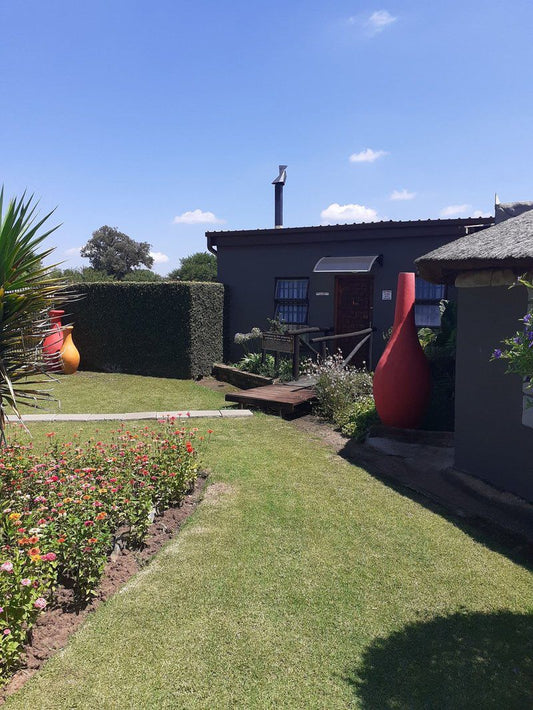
446,271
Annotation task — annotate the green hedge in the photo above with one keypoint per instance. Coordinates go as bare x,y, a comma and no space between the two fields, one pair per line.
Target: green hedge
159,329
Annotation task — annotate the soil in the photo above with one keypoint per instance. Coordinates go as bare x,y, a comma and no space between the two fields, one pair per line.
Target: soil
216,385
53,628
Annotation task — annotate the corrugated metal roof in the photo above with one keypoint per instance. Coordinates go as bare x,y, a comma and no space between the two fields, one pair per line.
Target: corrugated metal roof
466,221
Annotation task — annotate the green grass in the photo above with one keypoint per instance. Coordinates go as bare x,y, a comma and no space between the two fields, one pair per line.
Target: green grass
302,582
104,393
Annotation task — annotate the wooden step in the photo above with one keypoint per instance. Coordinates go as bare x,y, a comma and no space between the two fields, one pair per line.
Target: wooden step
283,398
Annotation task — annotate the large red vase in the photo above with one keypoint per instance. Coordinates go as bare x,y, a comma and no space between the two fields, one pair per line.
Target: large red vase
402,377
53,342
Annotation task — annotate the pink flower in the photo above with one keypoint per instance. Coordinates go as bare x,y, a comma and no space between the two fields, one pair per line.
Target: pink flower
7,567
49,557
39,603
88,523
1,609
7,632
25,582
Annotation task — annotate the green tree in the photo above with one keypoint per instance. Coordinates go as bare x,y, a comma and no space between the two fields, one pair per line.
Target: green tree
27,291
115,253
83,275
201,266
140,275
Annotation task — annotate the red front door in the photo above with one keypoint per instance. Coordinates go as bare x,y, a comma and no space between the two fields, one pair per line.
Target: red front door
353,312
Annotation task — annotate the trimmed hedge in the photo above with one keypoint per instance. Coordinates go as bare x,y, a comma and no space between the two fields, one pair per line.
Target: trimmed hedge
158,329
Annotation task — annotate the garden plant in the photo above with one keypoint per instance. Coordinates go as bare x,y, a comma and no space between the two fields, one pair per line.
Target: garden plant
517,351
265,365
60,512
344,395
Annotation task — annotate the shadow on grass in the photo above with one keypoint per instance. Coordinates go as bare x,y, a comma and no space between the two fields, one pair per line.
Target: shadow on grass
391,472
458,662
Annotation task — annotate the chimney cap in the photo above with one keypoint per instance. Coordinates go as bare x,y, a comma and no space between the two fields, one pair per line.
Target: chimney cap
282,177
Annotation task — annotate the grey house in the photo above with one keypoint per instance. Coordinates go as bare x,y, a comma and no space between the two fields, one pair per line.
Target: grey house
339,278
493,428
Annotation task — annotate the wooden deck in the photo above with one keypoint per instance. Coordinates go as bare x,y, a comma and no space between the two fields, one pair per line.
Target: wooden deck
284,399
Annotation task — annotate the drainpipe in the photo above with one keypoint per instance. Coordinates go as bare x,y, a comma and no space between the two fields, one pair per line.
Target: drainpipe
278,183
210,247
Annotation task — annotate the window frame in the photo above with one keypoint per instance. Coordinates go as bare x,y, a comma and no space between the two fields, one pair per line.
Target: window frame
279,302
429,301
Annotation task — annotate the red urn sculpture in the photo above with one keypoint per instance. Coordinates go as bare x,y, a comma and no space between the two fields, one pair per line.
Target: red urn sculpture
54,341
402,377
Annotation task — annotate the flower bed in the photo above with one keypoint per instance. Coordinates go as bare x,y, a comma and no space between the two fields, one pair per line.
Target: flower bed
62,512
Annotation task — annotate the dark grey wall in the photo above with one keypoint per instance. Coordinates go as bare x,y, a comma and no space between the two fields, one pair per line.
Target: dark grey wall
249,273
490,440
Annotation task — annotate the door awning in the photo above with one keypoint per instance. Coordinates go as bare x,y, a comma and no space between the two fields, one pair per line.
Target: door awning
345,264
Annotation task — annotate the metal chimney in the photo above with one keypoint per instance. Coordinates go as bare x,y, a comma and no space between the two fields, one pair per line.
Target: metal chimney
278,183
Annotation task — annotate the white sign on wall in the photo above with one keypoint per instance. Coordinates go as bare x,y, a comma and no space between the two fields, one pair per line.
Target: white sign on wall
386,295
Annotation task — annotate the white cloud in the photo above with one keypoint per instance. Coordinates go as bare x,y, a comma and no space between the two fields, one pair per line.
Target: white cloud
337,214
454,210
378,20
159,257
197,217
367,156
73,251
480,213
402,195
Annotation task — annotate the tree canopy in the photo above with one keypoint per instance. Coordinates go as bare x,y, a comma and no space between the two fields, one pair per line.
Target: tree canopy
115,253
201,266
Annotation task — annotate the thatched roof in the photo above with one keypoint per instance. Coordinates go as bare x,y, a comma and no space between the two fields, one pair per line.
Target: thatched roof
507,245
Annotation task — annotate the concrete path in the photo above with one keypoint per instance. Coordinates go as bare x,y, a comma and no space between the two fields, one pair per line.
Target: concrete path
129,416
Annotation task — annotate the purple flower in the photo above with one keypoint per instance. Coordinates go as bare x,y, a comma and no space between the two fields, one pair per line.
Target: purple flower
527,318
497,353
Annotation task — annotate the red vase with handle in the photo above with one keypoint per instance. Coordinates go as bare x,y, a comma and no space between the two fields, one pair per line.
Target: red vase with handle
53,342
402,377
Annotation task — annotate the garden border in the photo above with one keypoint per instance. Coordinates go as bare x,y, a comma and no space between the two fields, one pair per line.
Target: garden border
54,627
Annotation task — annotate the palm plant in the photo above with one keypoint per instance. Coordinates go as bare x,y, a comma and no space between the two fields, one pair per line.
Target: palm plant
27,292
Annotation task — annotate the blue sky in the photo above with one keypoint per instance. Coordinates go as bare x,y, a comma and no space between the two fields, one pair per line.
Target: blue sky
169,118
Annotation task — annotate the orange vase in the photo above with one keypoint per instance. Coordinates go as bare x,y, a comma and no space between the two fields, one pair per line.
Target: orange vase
70,357
402,377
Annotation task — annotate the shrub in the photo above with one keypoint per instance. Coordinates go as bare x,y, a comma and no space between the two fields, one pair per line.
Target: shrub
160,329
360,417
439,348
252,363
341,391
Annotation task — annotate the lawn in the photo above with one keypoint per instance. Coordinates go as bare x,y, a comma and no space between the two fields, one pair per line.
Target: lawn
303,582
99,392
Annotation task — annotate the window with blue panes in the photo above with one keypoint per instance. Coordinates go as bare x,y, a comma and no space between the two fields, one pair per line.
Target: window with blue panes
291,301
427,299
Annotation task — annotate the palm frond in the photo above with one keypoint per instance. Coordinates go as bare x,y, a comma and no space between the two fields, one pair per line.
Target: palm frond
27,292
